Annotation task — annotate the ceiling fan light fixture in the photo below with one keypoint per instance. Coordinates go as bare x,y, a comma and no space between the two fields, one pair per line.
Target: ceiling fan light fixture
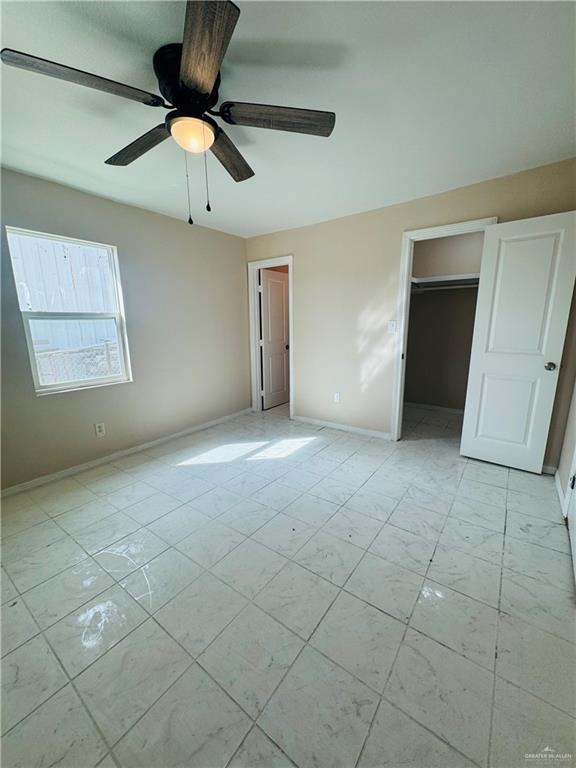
193,134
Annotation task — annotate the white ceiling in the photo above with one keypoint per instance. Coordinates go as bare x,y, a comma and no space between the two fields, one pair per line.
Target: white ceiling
428,97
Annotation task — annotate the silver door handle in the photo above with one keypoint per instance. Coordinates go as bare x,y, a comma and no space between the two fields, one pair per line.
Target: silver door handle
550,366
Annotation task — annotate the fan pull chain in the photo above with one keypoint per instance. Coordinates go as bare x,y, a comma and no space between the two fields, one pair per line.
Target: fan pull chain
190,221
208,208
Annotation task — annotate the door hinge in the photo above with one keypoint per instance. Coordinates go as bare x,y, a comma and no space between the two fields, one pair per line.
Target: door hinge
259,289
260,343
572,482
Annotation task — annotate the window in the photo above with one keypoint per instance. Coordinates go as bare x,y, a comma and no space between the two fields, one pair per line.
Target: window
71,303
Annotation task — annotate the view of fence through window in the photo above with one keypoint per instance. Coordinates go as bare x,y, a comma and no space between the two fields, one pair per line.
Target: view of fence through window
68,297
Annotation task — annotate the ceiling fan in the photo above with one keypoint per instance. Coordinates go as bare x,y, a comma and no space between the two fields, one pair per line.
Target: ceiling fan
188,78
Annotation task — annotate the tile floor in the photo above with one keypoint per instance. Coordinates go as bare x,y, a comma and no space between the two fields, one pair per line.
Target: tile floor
266,594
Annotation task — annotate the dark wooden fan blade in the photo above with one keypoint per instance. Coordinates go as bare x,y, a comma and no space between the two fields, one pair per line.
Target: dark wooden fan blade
78,76
207,31
309,121
230,157
140,146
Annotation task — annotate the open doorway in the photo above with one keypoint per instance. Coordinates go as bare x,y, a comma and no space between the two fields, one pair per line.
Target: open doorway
270,296
440,275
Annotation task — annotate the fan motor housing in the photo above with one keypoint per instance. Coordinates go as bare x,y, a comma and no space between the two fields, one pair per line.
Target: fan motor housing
166,63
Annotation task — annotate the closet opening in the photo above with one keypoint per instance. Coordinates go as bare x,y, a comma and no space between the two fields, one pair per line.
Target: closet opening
441,271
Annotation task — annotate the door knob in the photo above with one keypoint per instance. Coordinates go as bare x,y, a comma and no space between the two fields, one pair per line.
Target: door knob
550,366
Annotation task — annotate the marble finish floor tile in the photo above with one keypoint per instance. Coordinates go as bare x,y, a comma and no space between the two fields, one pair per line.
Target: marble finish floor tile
161,579
121,685
444,692
247,516
251,657
478,513
200,612
535,506
473,539
538,662
284,534
22,544
152,507
552,568
18,626
353,527
540,532
311,509
194,724
215,502
84,635
403,548
418,520
525,725
257,751
176,525
439,501
342,591
85,516
385,585
320,714
397,740
277,495
62,496
9,591
457,621
105,532
126,555
329,557
129,494
464,573
57,733
210,543
541,486
359,638
372,503
551,609
491,474
30,675
297,598
249,567
40,565
487,494
55,598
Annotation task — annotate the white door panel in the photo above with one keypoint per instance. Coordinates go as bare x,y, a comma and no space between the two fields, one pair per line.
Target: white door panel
275,338
526,283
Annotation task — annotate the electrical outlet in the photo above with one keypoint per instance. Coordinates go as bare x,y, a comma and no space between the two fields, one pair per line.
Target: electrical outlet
100,429
336,397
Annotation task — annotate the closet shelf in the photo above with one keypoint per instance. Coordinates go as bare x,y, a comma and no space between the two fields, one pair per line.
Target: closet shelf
444,282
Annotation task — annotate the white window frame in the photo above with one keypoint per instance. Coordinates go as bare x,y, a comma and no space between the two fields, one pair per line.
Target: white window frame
119,318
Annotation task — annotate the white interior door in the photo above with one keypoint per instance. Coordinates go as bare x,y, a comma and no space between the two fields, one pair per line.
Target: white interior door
275,342
526,283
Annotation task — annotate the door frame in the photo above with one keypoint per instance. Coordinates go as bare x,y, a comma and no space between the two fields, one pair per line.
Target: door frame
410,237
253,311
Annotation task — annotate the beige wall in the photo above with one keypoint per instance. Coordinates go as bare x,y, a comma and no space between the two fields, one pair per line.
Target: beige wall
439,343
459,255
346,290
186,308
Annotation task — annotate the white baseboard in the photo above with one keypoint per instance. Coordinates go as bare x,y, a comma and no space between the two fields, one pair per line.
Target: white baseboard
563,497
116,455
344,427
547,470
